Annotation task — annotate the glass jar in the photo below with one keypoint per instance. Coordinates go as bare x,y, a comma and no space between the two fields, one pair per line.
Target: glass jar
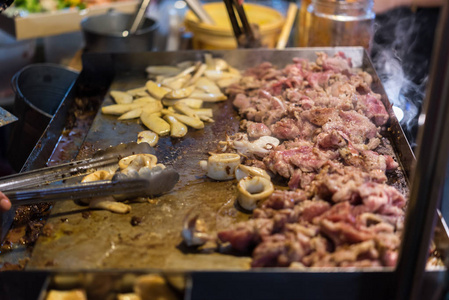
340,23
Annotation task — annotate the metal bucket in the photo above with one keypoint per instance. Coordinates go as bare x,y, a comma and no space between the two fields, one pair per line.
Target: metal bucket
108,33
39,90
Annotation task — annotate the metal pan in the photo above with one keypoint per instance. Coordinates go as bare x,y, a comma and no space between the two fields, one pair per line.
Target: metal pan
106,241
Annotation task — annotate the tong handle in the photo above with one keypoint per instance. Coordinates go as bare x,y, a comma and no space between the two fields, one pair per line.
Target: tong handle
131,187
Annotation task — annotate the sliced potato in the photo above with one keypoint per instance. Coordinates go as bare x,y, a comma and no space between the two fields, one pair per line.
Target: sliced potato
148,136
181,93
132,114
177,129
155,123
121,97
207,97
155,90
207,85
119,109
189,121
192,103
163,70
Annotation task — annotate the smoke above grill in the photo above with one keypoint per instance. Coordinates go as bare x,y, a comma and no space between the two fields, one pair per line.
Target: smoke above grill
401,51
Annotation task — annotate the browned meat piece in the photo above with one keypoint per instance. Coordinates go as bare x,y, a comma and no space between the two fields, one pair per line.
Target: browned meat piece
256,130
373,108
300,179
280,250
241,101
338,211
344,233
357,127
284,199
245,235
320,116
285,129
339,63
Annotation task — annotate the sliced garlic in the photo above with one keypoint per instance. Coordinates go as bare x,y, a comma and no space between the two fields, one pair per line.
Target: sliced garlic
147,136
132,114
155,90
155,123
177,129
121,97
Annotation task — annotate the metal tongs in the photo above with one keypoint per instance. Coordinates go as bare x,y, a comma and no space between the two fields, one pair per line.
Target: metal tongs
247,36
32,187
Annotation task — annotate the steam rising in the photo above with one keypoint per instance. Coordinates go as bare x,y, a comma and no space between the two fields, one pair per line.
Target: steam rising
402,69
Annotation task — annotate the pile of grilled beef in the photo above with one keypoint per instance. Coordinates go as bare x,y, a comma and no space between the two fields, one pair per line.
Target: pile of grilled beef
338,210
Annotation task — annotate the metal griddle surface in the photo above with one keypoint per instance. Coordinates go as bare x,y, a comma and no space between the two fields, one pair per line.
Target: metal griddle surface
104,240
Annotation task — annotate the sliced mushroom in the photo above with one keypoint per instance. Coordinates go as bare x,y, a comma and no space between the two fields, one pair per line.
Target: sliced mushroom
147,136
177,129
121,97
252,190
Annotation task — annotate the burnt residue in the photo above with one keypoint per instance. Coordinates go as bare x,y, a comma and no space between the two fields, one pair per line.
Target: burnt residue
30,221
86,214
136,220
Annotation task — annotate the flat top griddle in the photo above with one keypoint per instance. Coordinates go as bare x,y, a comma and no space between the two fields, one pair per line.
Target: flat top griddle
104,240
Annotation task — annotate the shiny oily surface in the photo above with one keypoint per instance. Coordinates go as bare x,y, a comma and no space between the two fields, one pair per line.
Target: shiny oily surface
83,239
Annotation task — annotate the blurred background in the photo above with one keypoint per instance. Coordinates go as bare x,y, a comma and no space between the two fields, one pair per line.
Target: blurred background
399,40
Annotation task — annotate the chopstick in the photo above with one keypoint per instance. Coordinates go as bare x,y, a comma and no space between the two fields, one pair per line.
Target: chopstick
287,28
244,35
